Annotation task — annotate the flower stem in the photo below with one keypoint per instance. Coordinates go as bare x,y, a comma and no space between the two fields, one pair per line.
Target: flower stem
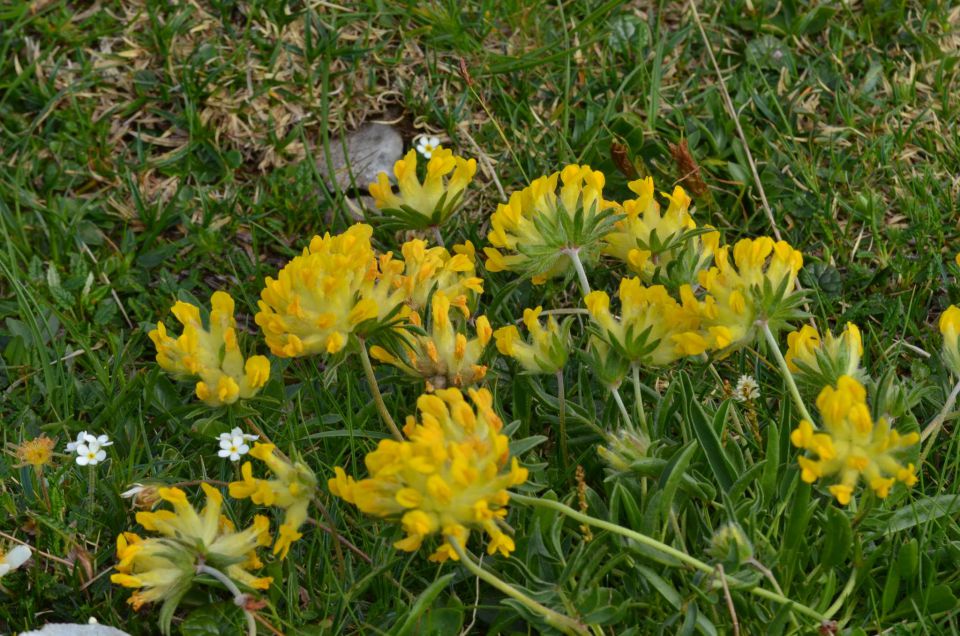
574,254
562,420
623,409
556,620
641,413
239,598
785,372
665,549
375,390
438,237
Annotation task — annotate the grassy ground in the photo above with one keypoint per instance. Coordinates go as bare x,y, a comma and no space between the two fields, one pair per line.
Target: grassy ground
155,151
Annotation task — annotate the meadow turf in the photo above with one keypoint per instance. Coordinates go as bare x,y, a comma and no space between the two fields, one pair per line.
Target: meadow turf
155,151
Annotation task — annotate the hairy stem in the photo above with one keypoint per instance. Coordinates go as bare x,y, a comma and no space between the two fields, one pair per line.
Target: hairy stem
375,390
679,555
574,254
623,409
785,372
555,619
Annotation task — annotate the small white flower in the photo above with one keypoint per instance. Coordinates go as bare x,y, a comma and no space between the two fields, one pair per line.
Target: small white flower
90,453
234,447
72,446
747,389
236,432
101,440
426,145
14,559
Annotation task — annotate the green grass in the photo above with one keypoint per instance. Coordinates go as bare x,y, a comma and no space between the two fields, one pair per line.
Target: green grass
127,182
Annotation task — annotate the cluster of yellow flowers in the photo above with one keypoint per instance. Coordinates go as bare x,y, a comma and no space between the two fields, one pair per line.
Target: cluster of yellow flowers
650,242
164,567
443,355
451,475
430,202
540,226
293,487
852,444
817,362
548,348
211,354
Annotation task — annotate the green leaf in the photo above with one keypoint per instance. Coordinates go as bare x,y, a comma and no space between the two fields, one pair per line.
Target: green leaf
838,537
672,476
706,433
422,604
922,511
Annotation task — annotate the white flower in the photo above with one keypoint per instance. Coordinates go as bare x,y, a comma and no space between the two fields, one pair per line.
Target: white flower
89,452
14,559
426,145
236,432
101,440
233,447
747,389
72,446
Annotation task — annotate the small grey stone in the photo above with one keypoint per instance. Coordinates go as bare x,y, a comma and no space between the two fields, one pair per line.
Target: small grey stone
370,150
74,629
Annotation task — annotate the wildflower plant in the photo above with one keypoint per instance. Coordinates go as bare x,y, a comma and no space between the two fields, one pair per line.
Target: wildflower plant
852,445
817,363
450,475
653,329
292,488
442,354
163,568
544,352
427,201
211,354
759,284
541,233
660,246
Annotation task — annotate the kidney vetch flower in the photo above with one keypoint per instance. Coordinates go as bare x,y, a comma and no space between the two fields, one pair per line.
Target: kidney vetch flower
450,476
852,445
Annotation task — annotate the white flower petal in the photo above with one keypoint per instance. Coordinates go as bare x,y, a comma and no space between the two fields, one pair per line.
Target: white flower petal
82,460
17,556
224,452
101,455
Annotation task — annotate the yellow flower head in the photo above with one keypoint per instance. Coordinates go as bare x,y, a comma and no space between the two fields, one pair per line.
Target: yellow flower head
434,268
449,477
444,357
545,352
213,354
950,328
538,227
37,452
292,488
818,363
851,445
651,242
760,283
654,329
428,203
163,567
320,297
